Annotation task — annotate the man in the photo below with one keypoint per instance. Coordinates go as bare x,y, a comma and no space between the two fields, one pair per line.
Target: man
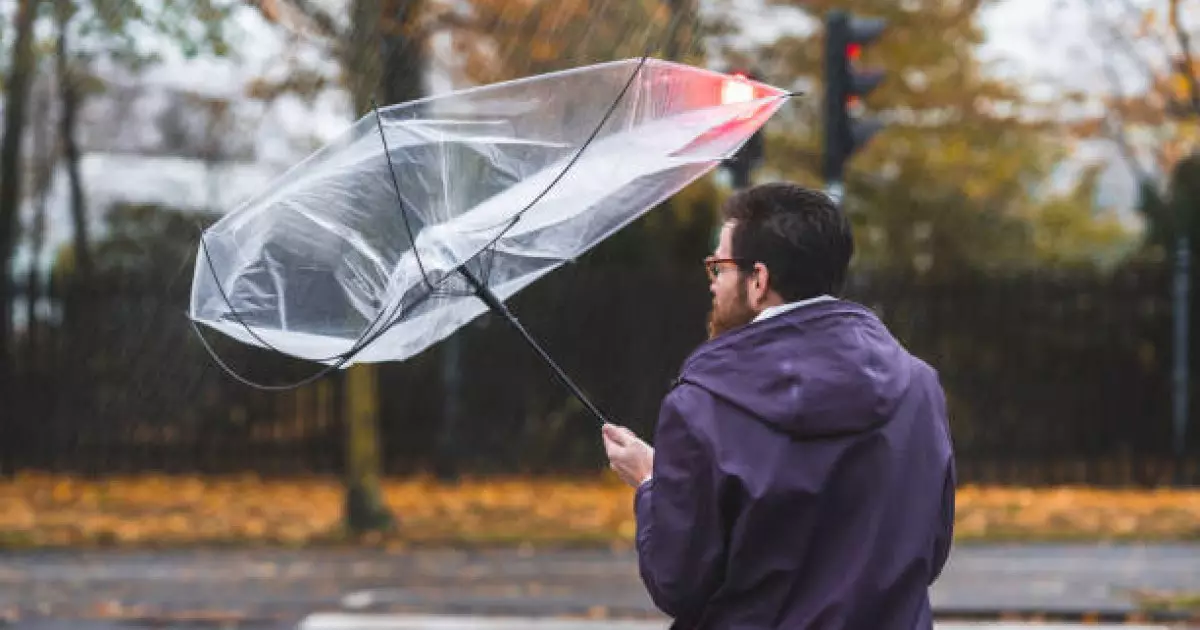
803,475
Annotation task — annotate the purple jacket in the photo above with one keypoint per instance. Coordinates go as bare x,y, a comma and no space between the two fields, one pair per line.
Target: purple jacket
803,478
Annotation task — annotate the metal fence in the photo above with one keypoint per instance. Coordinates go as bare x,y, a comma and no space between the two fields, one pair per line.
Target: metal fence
1052,377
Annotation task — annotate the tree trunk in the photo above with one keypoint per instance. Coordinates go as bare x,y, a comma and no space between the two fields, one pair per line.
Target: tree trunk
384,53
44,159
33,403
402,79
16,95
365,510
402,52
682,28
68,90
360,57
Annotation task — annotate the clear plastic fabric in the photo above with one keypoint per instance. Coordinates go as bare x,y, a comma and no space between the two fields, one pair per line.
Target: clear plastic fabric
491,180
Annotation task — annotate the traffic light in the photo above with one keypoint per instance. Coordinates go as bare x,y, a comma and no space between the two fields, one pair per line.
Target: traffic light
845,86
738,89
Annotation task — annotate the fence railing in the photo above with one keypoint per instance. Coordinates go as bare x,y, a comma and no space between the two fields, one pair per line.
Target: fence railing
1052,377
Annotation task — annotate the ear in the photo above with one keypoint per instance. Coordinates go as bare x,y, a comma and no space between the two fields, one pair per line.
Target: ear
760,284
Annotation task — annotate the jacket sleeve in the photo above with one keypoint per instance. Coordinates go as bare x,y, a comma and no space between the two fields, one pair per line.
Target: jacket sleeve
944,539
680,534
945,536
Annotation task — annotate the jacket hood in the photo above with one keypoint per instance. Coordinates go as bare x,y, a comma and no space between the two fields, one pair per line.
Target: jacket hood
820,370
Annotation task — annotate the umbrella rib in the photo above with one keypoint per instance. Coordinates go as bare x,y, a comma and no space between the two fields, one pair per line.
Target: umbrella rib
396,186
481,289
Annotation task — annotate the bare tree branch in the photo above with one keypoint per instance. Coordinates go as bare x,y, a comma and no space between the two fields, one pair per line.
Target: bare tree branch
268,8
322,19
448,18
1116,127
1134,14
1118,38
1126,110
277,11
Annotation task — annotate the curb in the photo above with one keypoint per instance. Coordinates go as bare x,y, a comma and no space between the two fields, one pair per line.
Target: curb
968,620
342,621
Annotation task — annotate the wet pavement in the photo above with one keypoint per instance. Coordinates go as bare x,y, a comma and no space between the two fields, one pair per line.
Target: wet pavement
104,590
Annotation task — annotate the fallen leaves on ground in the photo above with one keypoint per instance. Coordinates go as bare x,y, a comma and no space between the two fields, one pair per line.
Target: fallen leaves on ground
1077,513
55,511
1180,602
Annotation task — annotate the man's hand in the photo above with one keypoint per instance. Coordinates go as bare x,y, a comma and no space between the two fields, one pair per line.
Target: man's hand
628,455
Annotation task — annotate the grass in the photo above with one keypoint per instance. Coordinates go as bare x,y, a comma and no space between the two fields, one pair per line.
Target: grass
45,511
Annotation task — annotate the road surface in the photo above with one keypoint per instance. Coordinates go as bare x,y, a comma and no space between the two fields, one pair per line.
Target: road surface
267,588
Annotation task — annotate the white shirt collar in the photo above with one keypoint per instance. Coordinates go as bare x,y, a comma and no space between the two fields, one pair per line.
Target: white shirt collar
772,311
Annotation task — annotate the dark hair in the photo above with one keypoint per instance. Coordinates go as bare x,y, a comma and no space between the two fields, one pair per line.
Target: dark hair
799,234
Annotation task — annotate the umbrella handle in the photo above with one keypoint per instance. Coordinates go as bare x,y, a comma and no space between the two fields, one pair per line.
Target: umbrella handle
493,302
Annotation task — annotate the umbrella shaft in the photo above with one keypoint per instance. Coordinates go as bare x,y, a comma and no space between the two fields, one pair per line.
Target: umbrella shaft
493,302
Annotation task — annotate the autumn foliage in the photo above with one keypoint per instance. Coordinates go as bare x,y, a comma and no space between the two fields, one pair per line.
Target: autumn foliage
147,511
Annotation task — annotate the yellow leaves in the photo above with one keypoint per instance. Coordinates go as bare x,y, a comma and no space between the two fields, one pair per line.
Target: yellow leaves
509,509
1168,601
62,492
130,511
59,510
542,50
1077,512
1148,23
1181,86
150,510
597,612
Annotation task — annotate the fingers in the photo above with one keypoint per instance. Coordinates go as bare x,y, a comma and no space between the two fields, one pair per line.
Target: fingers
619,434
615,434
612,448
625,452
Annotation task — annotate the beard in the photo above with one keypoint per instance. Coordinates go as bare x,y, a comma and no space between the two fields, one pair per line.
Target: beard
723,317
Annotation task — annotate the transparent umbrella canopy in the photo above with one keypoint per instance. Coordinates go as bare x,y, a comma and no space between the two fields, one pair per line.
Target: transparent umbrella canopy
424,215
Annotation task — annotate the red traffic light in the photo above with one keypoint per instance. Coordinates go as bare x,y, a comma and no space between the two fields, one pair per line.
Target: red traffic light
846,88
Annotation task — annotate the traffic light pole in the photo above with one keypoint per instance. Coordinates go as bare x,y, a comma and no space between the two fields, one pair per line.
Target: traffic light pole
742,164
836,191
1181,377
741,175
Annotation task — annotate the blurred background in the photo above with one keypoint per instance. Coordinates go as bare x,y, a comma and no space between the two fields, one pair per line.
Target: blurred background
1023,178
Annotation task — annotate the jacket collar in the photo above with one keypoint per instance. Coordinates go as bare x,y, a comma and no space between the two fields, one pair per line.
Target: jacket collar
772,311
794,316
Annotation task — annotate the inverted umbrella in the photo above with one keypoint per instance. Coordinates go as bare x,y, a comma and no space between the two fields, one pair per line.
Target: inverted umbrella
424,215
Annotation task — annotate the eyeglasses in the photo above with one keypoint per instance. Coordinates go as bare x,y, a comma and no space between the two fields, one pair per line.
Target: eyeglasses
713,265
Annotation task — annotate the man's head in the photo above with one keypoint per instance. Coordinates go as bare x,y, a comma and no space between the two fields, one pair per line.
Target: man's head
780,243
